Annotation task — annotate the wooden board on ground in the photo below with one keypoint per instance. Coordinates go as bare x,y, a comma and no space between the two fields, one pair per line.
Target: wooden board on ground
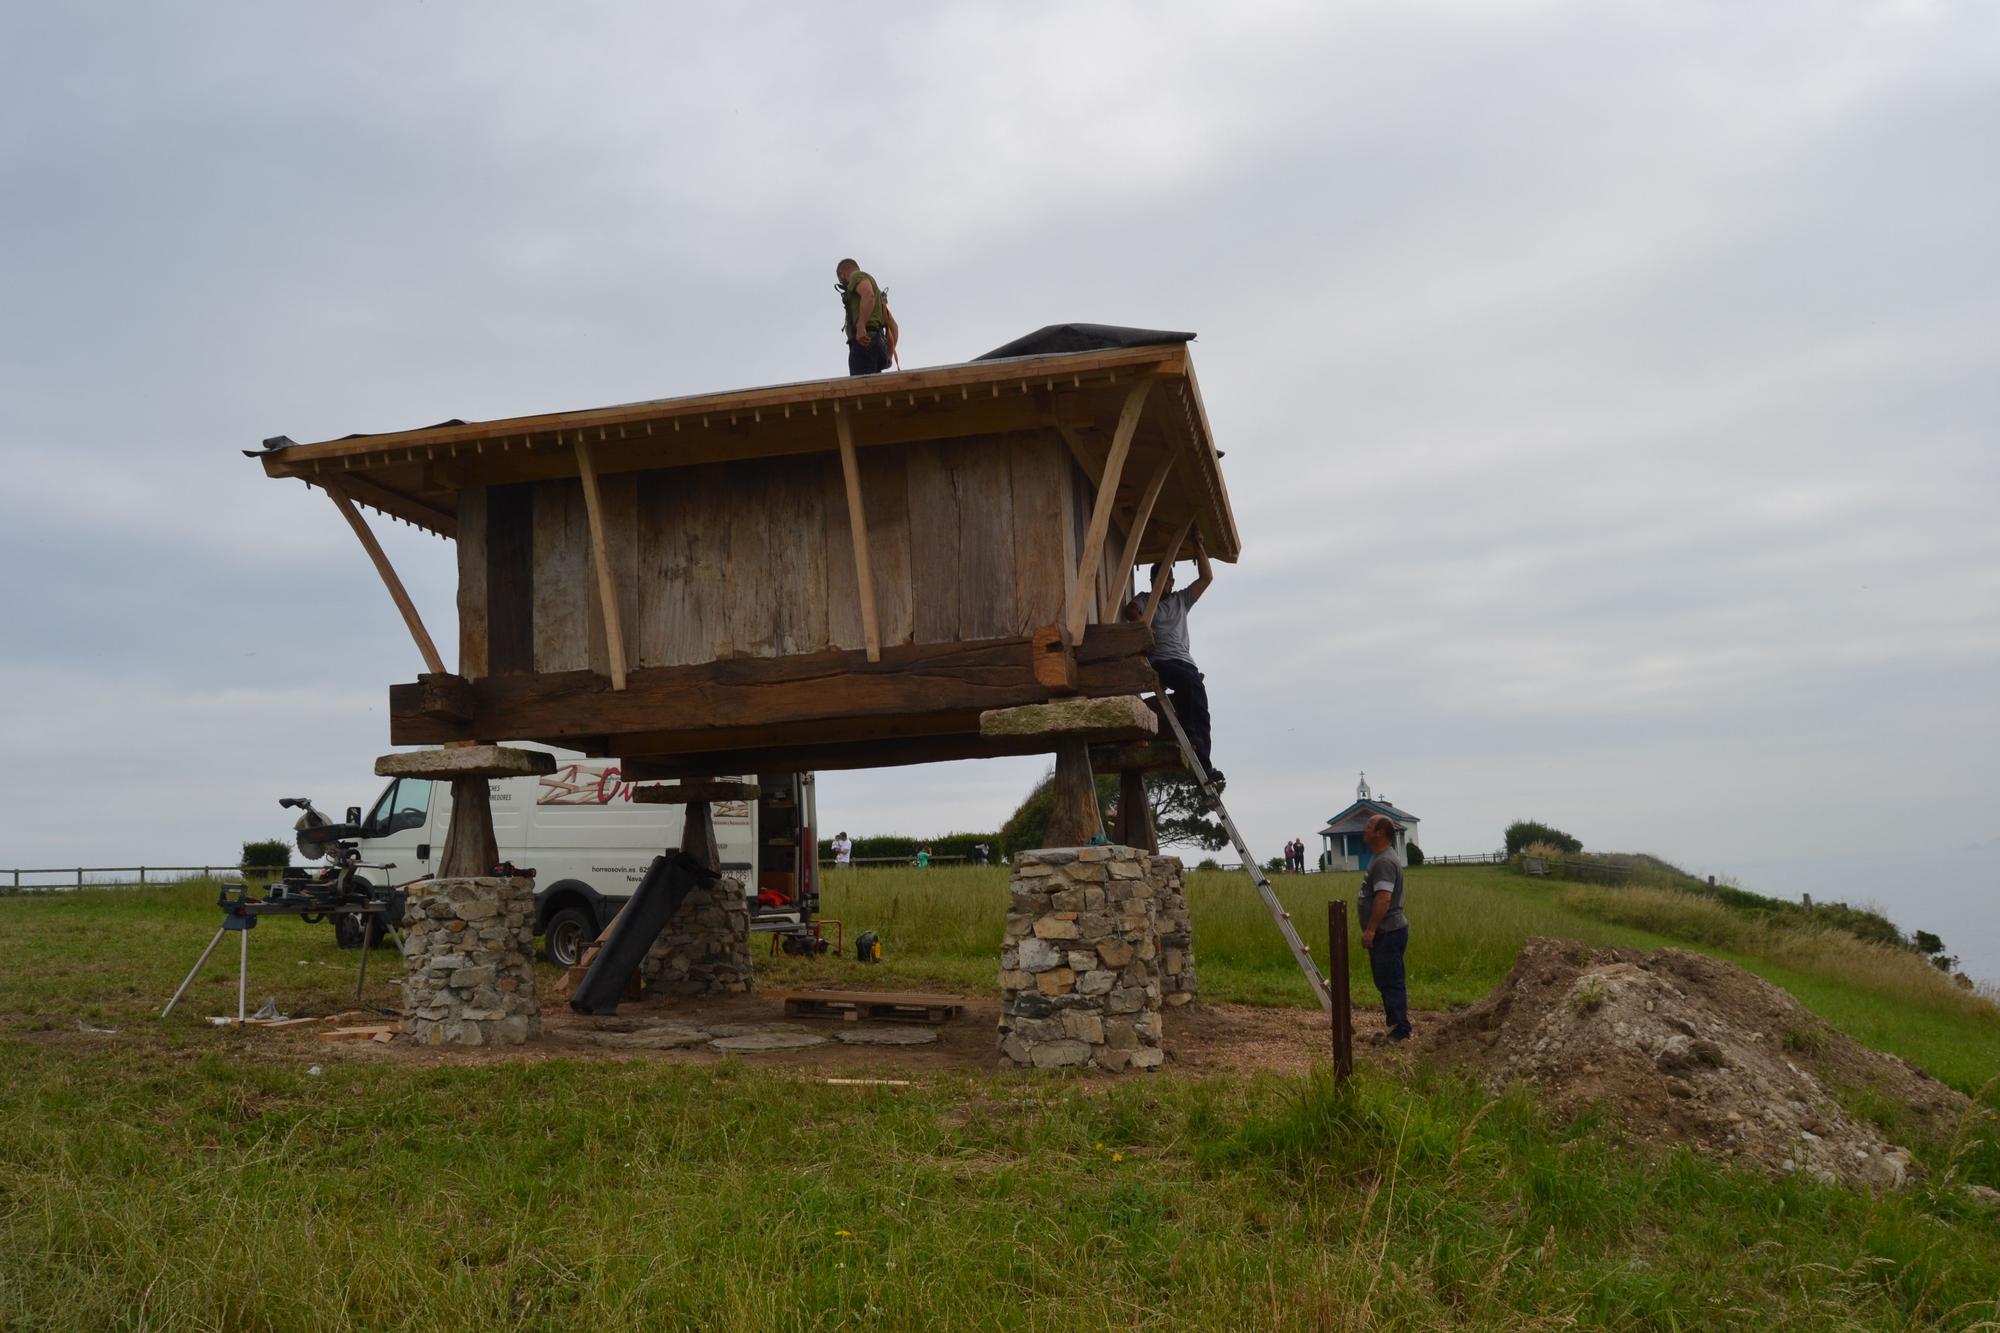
372,1032
853,1006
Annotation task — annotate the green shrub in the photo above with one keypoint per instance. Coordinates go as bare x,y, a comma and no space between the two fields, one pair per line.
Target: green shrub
1524,831
268,854
1415,854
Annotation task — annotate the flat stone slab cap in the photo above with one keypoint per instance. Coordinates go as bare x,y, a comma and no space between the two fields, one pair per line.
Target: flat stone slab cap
753,1042
466,761
687,793
884,1036
1121,716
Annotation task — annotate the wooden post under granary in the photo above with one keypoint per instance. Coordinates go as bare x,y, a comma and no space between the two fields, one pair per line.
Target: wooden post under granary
844,573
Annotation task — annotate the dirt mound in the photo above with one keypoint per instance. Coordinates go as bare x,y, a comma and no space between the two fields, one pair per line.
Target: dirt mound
1691,1050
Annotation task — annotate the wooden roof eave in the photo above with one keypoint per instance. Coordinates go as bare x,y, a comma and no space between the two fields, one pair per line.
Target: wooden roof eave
415,475
994,377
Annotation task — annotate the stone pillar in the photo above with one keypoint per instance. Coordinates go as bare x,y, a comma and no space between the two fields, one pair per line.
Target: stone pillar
704,949
470,968
1177,980
1079,967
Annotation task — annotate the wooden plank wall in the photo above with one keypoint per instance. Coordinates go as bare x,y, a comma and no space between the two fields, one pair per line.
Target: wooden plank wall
969,539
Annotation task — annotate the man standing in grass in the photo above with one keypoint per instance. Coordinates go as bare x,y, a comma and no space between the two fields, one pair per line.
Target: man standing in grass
1385,931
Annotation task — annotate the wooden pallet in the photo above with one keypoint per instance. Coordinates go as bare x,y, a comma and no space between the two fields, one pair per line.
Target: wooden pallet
853,1006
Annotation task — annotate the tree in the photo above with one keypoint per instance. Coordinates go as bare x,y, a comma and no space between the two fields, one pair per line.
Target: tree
1180,815
1524,831
1927,943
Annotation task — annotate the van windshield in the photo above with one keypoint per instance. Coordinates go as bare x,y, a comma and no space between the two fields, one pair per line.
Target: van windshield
406,804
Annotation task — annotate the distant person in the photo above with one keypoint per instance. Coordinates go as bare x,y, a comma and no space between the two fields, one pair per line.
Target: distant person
982,854
871,330
1173,658
1385,931
843,849
923,858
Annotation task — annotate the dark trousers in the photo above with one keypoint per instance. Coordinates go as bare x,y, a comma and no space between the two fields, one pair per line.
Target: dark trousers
1385,964
872,359
1190,702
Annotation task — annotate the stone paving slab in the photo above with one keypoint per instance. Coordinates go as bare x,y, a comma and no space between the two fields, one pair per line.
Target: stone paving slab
887,1036
750,1043
667,1037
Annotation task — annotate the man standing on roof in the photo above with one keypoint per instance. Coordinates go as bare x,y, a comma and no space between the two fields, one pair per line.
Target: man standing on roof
1173,659
871,329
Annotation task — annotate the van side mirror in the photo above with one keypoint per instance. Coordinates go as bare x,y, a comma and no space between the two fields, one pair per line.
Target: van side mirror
354,814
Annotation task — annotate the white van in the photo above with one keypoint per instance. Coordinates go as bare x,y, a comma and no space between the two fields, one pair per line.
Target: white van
589,843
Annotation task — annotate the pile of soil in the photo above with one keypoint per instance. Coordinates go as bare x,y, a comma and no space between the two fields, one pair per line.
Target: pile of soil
1688,1049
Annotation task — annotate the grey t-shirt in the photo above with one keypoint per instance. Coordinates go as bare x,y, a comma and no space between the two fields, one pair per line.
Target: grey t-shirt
1170,635
1385,871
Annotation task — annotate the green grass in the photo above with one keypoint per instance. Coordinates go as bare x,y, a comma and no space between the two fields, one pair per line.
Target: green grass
939,927
173,1175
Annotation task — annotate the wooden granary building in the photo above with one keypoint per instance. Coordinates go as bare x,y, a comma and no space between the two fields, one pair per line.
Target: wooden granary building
842,573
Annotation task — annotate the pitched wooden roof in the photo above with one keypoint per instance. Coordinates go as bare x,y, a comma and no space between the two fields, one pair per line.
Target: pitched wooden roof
415,475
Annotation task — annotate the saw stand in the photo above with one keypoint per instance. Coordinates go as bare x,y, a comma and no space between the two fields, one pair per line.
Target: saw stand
240,915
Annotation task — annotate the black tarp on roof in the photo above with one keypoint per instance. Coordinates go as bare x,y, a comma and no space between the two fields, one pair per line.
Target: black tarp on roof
1083,338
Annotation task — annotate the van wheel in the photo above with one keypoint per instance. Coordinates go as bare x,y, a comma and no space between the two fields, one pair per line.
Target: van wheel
569,932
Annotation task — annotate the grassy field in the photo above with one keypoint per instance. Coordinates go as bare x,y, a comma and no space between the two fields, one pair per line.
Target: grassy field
170,1175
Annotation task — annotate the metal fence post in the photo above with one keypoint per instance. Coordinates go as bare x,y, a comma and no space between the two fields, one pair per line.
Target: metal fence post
1343,1008
79,877
142,877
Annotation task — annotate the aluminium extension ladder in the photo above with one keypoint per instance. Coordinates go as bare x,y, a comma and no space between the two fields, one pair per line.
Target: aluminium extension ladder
1277,909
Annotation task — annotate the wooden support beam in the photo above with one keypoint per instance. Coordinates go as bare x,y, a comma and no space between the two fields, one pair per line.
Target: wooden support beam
1074,820
857,524
388,573
698,835
446,696
763,696
600,554
1079,449
1157,756
1137,531
1173,554
1135,813
1055,659
691,792
1107,497
470,849
409,508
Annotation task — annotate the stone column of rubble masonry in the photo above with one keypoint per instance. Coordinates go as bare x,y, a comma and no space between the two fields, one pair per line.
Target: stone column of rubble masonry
1177,980
469,948
705,947
1079,967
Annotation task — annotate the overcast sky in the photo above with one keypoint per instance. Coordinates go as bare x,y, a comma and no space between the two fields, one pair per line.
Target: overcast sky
1609,391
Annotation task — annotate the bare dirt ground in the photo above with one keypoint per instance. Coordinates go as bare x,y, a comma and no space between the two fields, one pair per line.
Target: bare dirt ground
1201,1039
1688,1049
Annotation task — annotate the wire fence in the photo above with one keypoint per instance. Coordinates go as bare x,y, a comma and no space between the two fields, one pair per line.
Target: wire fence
69,879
